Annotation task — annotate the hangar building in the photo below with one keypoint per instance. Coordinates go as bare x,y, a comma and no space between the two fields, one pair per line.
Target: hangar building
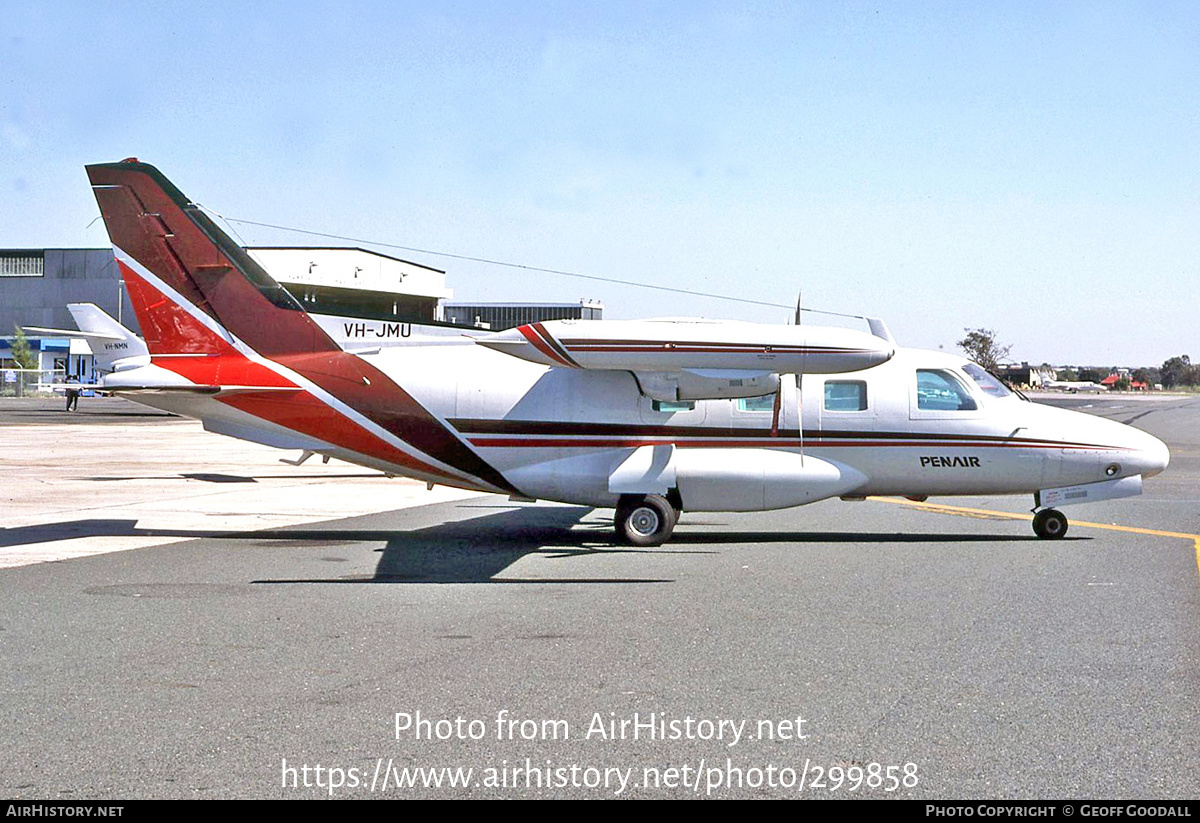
37,284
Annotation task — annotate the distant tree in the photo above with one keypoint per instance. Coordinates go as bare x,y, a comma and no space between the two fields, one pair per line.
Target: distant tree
1091,375
22,352
25,357
1174,371
980,345
1122,384
1068,374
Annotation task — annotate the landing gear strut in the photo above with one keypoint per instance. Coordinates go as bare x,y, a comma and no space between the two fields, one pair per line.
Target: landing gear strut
644,520
1050,524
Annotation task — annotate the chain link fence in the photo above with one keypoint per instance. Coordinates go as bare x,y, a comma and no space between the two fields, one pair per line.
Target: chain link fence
16,382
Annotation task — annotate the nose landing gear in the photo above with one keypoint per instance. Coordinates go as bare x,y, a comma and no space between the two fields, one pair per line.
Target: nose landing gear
1050,524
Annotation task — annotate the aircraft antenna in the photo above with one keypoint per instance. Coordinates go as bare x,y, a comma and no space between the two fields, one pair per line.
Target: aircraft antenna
520,266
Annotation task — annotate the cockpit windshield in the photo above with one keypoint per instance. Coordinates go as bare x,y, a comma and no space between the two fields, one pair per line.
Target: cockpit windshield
940,390
989,383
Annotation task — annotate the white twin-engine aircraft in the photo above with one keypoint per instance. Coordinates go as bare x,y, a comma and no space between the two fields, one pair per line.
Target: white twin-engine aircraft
650,417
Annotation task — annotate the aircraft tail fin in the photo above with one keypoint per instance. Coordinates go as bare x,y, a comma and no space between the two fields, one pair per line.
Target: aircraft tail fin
216,323
168,248
113,345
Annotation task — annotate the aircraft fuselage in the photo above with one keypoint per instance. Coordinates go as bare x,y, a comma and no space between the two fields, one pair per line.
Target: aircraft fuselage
651,417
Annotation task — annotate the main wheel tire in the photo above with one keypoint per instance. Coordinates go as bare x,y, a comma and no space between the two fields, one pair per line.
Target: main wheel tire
644,520
1050,524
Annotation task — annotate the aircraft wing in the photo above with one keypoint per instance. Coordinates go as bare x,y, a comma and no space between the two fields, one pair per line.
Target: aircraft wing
671,345
681,360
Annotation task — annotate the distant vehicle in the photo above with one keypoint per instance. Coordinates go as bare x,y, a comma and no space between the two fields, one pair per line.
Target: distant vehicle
651,417
1073,386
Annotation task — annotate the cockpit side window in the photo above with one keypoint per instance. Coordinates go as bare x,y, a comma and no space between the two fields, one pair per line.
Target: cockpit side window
940,390
987,381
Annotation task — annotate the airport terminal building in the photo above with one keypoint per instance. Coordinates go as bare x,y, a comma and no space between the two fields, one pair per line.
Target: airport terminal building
500,316
37,284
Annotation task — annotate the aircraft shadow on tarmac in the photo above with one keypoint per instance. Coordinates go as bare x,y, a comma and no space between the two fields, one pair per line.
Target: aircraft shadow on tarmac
480,549
210,477
700,538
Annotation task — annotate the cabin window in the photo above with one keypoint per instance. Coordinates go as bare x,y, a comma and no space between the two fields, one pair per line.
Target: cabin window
845,395
990,384
940,390
672,406
766,403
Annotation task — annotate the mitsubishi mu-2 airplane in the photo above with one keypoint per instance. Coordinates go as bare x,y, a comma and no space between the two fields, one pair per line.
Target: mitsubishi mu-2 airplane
652,418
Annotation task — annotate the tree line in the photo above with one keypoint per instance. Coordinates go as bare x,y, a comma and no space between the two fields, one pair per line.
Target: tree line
981,346
1178,371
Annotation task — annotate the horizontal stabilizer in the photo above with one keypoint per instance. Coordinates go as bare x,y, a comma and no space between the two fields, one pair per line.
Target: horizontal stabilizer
86,335
114,346
215,391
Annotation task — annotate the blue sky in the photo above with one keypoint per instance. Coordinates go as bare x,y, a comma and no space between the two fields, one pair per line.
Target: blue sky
1032,168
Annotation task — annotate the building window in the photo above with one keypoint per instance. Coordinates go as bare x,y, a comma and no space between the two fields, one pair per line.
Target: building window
22,264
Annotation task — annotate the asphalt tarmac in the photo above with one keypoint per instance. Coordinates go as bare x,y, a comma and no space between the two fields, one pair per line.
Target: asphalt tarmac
350,648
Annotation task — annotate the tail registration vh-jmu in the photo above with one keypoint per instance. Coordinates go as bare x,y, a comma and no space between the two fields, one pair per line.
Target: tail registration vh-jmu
650,417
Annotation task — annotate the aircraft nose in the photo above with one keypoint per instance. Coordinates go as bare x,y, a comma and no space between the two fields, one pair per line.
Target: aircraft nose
1154,455
1145,454
1100,449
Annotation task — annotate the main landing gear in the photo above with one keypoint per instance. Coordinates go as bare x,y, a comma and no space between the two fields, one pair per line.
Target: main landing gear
1050,524
645,520
649,519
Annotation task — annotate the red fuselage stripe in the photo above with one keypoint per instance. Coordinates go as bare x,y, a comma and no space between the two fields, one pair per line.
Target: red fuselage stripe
755,442
212,361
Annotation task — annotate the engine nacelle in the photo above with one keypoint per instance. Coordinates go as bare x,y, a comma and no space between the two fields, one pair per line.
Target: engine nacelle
706,384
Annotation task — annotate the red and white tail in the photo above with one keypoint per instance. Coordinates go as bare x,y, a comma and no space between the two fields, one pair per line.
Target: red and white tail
214,319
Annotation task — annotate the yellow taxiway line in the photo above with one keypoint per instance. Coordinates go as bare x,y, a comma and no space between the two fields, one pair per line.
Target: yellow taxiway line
989,514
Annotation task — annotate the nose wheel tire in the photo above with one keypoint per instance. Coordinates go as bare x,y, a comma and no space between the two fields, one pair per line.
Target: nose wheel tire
644,520
1050,524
